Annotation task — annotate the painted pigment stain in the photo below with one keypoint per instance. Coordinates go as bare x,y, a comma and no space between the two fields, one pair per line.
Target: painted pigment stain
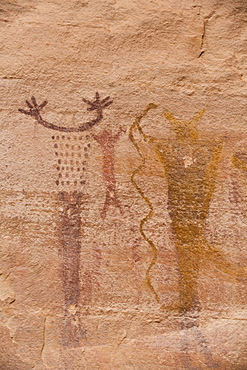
72,153
70,249
107,141
239,160
90,280
136,129
190,167
96,105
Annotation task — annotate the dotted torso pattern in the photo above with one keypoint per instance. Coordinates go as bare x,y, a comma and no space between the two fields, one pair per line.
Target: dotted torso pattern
72,153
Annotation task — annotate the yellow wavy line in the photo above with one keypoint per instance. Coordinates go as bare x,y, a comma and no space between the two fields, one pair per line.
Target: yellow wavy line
149,203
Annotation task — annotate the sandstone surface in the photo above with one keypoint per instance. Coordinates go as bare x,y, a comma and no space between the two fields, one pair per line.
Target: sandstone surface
123,219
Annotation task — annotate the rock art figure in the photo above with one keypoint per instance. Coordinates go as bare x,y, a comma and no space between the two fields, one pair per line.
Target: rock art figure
107,140
97,105
72,149
69,227
190,168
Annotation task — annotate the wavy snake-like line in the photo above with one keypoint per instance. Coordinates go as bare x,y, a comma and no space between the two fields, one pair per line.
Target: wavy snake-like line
146,199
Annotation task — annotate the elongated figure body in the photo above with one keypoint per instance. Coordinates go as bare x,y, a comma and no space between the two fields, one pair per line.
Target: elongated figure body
107,141
72,156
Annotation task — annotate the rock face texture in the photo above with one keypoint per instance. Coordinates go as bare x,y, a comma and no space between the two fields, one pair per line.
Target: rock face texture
123,185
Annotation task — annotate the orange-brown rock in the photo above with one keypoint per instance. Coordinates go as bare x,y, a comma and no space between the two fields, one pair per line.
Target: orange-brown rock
123,185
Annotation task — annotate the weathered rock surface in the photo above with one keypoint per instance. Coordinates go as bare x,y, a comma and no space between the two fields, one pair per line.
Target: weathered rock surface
123,240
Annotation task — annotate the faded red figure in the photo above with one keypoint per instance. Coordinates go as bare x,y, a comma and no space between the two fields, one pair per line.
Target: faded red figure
107,141
72,153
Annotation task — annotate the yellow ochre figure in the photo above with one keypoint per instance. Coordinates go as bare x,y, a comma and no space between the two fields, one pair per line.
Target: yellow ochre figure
190,168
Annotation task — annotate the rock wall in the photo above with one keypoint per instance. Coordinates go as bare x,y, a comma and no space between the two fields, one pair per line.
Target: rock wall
123,184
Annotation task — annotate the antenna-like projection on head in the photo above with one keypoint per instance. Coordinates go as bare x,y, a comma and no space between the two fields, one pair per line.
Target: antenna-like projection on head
185,129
